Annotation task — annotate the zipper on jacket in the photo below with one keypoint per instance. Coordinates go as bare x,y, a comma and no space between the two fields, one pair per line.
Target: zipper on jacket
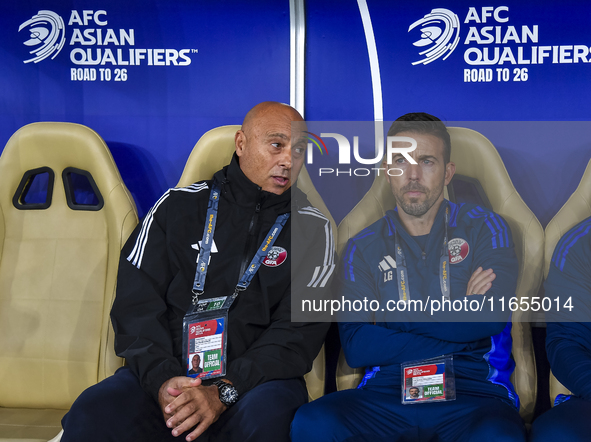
247,256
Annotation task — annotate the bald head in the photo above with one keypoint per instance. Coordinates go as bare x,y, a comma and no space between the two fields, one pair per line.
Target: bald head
262,110
264,146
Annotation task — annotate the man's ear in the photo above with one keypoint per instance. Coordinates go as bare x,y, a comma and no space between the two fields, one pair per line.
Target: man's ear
239,142
450,170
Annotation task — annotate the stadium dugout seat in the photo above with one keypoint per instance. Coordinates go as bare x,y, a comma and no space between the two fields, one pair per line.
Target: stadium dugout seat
212,152
64,216
480,177
576,209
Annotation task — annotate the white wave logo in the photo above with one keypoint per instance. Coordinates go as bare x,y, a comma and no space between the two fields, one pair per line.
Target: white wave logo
440,31
48,34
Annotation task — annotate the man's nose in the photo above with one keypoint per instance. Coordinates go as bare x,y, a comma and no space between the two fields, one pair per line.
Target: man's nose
285,158
414,171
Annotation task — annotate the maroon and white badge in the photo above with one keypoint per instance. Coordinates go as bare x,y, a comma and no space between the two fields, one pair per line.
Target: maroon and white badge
275,257
458,250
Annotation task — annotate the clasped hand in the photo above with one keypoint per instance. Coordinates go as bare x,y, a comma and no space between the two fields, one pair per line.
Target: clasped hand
185,403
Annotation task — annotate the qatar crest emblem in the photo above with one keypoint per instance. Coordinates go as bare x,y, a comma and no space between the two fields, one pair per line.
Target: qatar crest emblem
458,250
275,257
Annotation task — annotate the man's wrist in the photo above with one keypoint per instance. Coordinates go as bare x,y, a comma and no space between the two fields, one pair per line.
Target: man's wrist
228,394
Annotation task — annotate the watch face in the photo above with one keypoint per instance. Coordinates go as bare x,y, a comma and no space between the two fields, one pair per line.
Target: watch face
228,394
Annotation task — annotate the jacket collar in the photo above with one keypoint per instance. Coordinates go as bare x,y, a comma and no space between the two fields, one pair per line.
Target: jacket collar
240,190
437,230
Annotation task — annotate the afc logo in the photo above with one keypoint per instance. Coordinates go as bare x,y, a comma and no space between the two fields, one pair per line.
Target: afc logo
47,35
440,34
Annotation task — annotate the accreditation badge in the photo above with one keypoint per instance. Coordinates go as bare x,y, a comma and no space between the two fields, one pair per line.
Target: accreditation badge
428,380
205,337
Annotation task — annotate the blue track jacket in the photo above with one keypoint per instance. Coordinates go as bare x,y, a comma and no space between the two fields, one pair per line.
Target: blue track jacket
481,350
569,343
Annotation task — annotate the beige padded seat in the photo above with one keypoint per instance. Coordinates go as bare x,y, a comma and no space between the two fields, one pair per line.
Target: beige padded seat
576,209
58,269
212,152
475,157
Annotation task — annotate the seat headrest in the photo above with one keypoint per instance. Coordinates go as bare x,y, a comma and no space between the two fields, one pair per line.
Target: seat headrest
214,150
57,146
576,209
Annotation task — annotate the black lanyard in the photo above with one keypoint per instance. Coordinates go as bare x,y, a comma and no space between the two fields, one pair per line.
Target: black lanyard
207,241
403,282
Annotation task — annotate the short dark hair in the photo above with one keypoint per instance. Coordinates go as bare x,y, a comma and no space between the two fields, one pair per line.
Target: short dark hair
423,123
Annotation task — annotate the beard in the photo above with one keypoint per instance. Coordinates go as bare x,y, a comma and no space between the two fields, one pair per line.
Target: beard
413,206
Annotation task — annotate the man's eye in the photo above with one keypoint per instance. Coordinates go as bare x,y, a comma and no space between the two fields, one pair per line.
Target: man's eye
427,162
399,160
275,144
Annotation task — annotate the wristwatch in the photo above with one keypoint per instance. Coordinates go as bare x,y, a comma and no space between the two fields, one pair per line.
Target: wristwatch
228,393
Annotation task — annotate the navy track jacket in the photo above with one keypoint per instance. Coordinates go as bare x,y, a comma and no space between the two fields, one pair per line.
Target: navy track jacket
481,350
568,343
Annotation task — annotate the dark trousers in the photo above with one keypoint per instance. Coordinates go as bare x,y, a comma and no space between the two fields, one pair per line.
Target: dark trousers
568,421
119,410
376,415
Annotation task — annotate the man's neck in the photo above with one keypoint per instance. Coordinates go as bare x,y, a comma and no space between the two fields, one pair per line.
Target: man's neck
419,225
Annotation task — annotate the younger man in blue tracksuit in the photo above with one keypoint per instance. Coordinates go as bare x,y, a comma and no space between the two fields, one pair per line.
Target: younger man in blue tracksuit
436,238
568,343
